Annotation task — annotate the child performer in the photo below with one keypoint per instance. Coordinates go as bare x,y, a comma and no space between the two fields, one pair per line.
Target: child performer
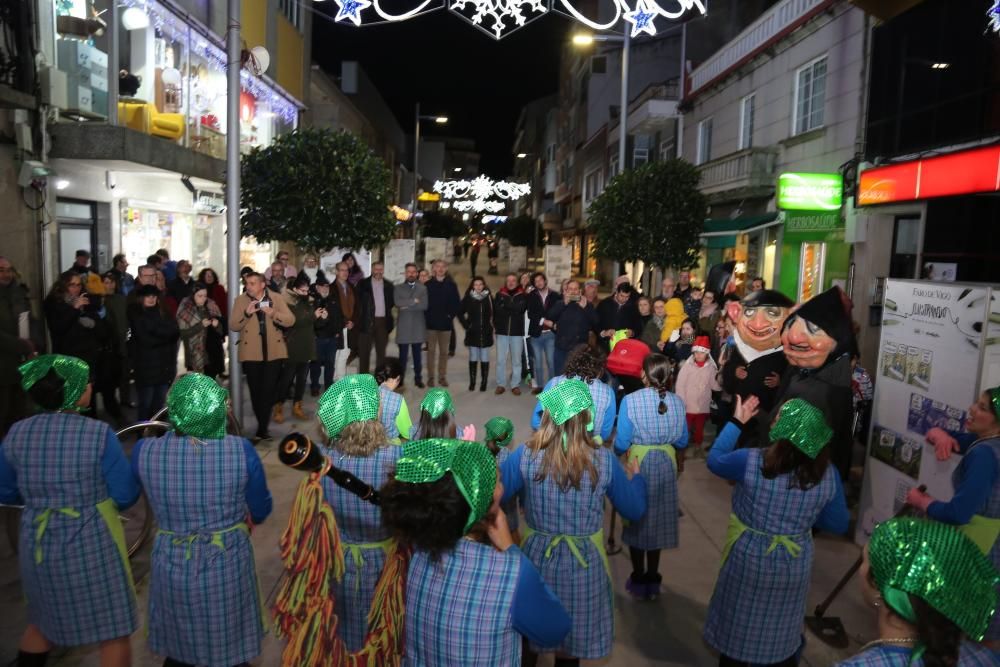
437,418
444,503
695,384
499,434
72,476
564,476
587,365
394,415
651,427
201,485
781,493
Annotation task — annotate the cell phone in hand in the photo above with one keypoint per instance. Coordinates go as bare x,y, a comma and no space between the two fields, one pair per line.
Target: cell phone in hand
575,299
264,303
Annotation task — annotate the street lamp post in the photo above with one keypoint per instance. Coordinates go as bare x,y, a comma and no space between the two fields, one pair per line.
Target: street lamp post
233,47
440,120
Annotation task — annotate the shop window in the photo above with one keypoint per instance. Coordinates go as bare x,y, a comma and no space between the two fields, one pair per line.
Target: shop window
667,149
705,141
905,247
812,261
810,96
747,105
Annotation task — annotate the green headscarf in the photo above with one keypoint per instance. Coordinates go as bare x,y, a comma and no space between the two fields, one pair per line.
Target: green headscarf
938,564
353,398
994,394
804,425
74,372
470,463
436,402
500,430
566,400
198,406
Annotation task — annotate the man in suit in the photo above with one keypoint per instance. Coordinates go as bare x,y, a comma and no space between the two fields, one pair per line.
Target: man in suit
410,298
540,337
375,302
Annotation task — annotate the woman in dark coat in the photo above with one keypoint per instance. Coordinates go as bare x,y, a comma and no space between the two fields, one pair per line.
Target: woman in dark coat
476,316
153,350
301,340
215,340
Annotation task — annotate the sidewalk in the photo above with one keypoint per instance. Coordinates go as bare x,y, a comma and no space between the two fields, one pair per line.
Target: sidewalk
664,632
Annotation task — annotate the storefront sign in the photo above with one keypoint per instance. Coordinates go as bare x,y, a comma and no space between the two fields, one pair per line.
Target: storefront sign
212,203
810,192
965,172
813,221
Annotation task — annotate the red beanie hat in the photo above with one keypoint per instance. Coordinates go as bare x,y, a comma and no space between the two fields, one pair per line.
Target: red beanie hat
701,344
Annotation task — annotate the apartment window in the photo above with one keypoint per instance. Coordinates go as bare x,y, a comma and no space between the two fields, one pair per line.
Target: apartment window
550,153
705,141
613,167
640,156
292,12
667,149
599,65
593,185
747,105
810,95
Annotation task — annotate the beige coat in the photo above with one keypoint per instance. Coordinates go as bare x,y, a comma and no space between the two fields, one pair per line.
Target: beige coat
695,386
250,340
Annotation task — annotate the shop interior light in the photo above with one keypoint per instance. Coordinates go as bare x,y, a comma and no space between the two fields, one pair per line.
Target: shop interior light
134,18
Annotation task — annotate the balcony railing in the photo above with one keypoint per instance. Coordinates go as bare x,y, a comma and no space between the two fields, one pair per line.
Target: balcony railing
746,169
770,25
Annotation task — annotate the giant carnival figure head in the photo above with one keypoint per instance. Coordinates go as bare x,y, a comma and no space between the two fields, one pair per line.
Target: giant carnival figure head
820,331
759,318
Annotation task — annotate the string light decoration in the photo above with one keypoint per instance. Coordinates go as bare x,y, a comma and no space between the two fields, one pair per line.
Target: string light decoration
479,205
481,187
994,14
508,16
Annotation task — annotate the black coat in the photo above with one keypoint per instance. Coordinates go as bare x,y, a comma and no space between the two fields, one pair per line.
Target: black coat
73,337
477,319
509,312
573,324
537,310
153,347
612,316
331,326
366,305
443,304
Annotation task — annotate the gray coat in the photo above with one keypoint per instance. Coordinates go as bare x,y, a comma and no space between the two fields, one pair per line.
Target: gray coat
411,302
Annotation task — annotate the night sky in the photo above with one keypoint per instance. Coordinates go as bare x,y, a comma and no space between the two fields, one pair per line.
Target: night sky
451,68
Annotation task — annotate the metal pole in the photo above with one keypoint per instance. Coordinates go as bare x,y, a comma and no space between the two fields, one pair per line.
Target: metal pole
233,194
416,155
113,48
682,88
623,117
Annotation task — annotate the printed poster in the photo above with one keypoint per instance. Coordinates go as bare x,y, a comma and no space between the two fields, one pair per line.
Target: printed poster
398,254
934,337
558,265
518,258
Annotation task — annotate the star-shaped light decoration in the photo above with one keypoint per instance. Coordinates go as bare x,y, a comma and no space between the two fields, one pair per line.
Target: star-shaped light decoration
642,17
351,10
994,14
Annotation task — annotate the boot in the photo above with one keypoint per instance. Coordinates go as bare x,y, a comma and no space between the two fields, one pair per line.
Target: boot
297,410
472,376
484,367
278,417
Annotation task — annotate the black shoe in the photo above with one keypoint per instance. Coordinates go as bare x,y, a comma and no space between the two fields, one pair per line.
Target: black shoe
419,384
314,391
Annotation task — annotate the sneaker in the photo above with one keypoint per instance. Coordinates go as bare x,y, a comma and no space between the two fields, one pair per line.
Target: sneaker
635,588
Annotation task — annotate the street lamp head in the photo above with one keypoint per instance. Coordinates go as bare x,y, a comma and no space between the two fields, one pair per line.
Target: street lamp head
458,169
583,39
441,120
521,156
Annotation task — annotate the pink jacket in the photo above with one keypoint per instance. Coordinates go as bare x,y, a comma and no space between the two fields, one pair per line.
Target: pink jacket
695,386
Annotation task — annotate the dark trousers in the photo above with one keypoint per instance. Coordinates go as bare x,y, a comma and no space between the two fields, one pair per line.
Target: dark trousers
149,399
262,379
404,354
560,361
379,335
292,384
326,361
214,346
645,564
13,405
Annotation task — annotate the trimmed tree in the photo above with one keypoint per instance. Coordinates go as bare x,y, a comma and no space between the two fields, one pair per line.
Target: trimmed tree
654,213
318,188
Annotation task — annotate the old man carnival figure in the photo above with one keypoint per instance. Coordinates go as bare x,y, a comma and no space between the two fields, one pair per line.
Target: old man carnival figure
818,339
756,364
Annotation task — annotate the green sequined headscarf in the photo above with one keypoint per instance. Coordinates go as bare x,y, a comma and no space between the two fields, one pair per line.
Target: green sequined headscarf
566,400
470,463
994,395
804,425
437,402
940,565
74,372
198,406
353,398
500,430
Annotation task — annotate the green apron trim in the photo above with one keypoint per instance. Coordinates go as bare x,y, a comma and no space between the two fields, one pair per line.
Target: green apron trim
983,531
356,549
109,512
598,440
188,540
403,421
42,523
639,453
737,528
573,542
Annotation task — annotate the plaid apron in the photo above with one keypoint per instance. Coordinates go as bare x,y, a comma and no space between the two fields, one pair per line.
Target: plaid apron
970,655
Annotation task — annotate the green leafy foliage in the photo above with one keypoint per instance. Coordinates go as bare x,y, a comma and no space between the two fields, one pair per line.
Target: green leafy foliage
441,225
520,231
318,188
654,213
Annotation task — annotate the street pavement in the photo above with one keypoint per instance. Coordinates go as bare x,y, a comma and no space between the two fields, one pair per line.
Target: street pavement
662,632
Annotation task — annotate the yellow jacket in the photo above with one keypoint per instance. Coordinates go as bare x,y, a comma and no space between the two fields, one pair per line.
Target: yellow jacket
675,316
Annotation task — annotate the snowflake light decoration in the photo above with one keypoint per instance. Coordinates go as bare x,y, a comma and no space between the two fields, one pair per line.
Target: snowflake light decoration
351,10
994,14
479,205
641,17
501,12
481,187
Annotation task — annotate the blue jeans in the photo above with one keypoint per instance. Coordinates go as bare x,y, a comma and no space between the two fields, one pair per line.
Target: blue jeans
479,354
404,353
544,348
326,359
509,346
149,399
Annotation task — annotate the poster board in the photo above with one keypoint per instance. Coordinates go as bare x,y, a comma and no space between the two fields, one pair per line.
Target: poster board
518,258
558,264
398,254
931,353
435,248
328,261
504,247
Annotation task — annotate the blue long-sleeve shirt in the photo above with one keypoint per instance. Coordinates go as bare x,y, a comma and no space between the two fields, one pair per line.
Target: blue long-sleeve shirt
980,474
603,424
123,485
628,496
624,434
257,495
732,465
537,613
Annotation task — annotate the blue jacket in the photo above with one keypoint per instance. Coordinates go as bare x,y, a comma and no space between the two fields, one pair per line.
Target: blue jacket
443,303
573,323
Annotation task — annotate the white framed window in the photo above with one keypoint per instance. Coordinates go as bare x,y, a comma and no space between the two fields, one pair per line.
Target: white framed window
667,149
613,167
640,156
747,109
704,141
810,96
593,185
